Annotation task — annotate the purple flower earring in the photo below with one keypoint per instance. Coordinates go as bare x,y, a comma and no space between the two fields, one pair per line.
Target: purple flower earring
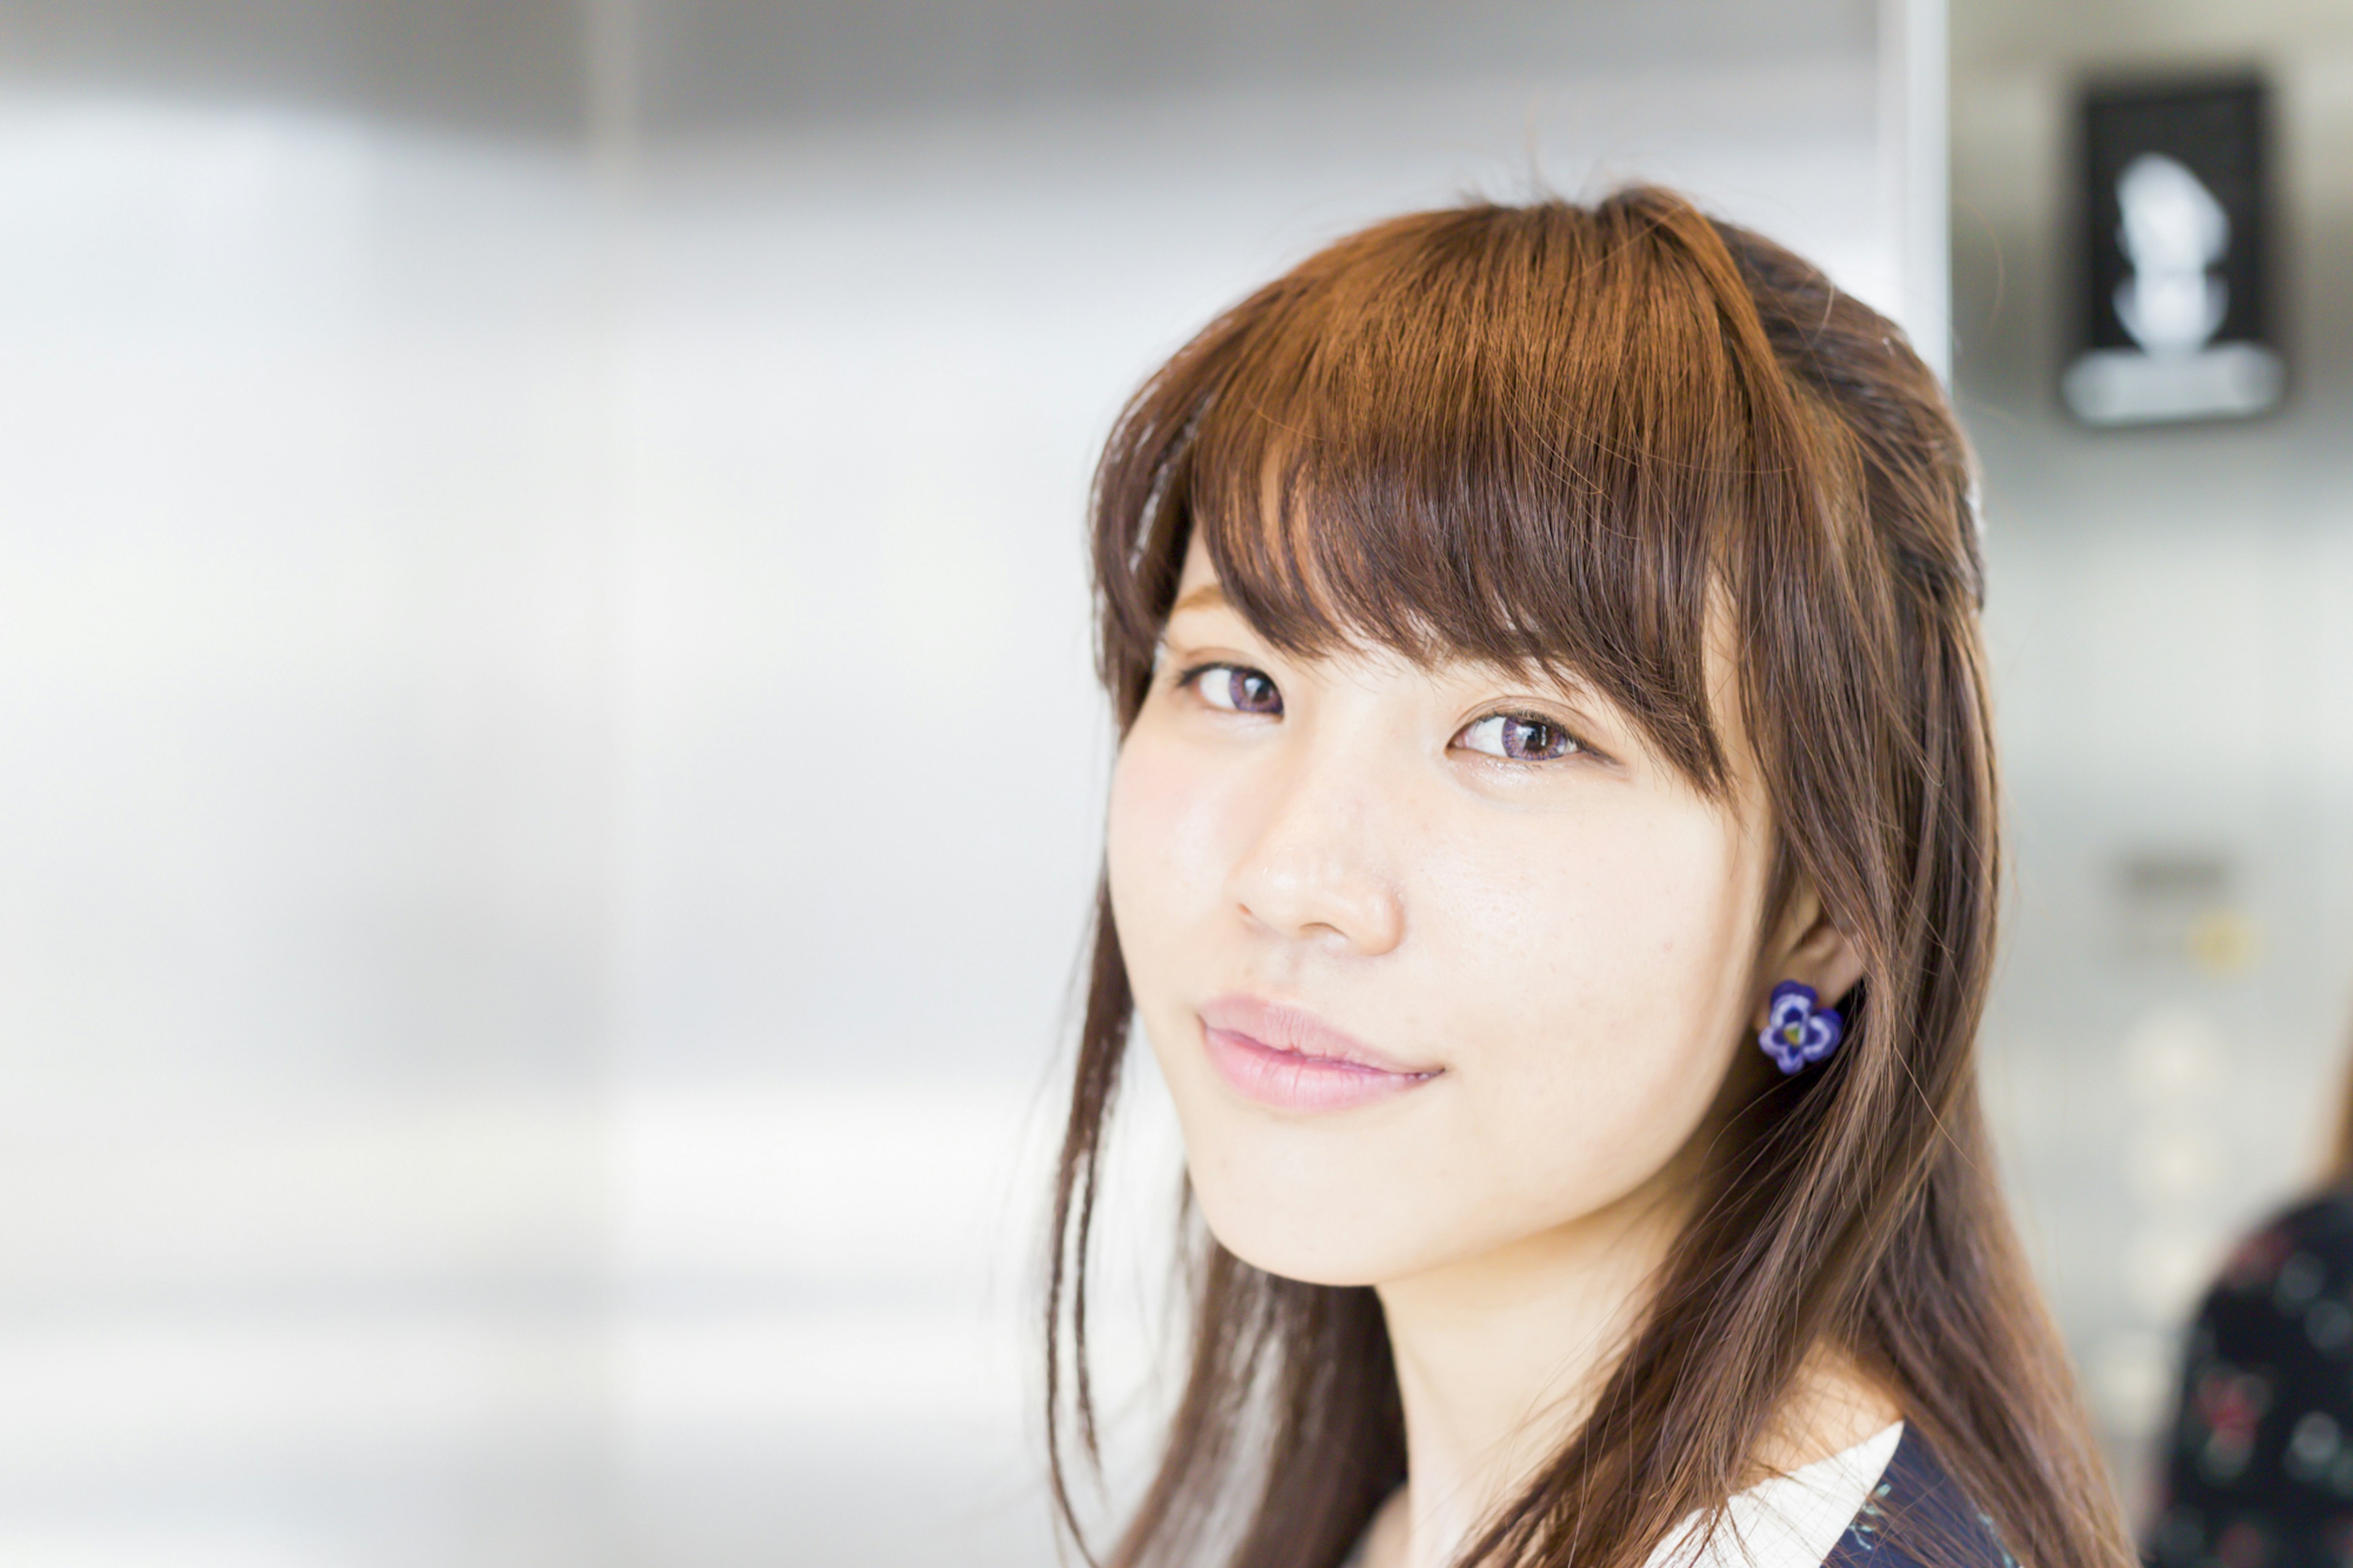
1797,1033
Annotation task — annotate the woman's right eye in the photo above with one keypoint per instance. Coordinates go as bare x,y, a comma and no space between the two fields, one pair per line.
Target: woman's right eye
1236,689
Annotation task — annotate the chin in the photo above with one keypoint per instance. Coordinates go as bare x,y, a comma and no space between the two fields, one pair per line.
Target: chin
1315,1238
1310,1261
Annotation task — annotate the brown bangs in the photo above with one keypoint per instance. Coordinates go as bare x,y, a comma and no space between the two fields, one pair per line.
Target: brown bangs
1481,434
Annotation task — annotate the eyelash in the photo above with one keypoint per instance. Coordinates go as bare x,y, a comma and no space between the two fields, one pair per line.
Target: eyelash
1190,678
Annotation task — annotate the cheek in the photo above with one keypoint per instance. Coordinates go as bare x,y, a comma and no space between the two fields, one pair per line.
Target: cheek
1165,852
1167,833
1600,918
1597,977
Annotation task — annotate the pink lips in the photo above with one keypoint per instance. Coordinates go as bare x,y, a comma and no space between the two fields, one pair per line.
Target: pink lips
1292,1061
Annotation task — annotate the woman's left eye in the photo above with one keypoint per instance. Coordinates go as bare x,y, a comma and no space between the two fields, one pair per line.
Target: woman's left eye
1235,688
1518,738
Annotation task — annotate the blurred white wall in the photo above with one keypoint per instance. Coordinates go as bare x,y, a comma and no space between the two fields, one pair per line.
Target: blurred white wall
549,773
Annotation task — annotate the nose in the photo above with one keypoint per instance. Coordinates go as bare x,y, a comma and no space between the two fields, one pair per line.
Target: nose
1315,871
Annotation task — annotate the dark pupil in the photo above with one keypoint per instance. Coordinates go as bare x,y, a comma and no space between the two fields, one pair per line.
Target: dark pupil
1525,738
1252,692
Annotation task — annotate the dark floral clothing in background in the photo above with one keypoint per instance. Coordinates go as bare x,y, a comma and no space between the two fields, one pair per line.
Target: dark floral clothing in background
2259,1470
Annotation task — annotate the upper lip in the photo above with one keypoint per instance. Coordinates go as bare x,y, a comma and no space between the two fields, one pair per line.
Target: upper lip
1300,1033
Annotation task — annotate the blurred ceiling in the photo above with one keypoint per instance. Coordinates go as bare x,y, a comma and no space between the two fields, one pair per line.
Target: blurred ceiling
499,65
523,65
708,60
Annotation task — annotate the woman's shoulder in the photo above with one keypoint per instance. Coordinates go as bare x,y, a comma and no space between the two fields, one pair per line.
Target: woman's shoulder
1917,1516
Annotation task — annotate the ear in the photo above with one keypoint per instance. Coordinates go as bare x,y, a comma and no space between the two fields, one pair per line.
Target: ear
1811,951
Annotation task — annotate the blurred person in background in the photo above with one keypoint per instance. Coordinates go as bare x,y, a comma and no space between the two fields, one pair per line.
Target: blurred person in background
2257,1469
1552,856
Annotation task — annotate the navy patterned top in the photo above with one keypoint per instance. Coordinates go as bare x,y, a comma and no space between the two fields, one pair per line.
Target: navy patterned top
1916,1503
2258,1471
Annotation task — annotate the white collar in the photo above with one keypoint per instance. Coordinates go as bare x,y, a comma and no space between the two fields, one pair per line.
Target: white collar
1788,1520
1783,1522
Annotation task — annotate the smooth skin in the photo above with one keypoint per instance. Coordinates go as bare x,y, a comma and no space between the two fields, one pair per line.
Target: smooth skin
1492,880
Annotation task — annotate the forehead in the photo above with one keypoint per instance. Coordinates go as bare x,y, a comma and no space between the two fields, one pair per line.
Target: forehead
1199,570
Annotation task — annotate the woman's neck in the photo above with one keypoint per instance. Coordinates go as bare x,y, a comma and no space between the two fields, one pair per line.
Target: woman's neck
1500,1358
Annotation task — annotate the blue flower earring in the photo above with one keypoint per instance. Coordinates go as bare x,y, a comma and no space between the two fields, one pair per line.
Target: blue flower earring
1797,1033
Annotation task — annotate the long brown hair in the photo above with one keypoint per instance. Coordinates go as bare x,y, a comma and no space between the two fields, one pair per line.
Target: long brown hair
1559,434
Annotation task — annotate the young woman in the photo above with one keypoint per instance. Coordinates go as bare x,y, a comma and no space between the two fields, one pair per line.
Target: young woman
1552,858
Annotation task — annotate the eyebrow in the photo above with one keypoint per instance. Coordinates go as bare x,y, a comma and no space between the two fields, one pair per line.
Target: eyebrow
1208,597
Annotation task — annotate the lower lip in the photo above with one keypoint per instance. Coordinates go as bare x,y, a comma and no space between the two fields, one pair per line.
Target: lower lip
1286,1080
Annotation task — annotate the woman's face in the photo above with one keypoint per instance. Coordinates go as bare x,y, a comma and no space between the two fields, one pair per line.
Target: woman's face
1433,961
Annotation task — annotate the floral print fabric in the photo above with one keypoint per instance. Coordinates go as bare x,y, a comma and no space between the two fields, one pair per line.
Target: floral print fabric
1915,1515
2258,1465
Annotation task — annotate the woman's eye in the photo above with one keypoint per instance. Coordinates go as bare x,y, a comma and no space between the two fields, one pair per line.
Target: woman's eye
1236,689
1518,737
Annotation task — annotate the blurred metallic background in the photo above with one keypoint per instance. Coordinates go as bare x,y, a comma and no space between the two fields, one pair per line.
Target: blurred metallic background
2171,620
548,773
